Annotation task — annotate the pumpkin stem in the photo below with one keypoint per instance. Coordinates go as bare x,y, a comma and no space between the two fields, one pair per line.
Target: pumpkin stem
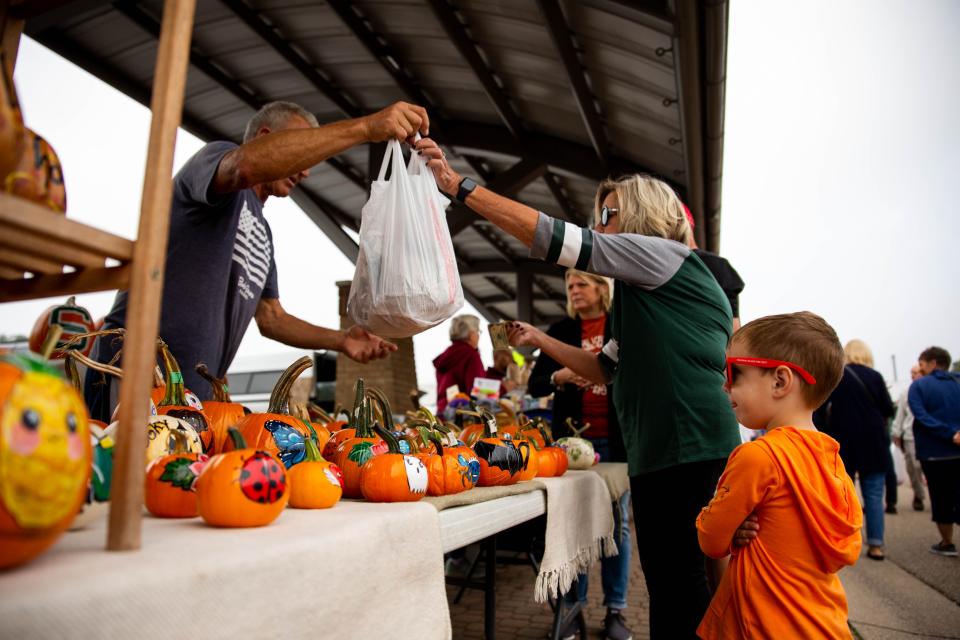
577,432
507,407
313,452
221,393
280,398
318,410
237,438
180,442
383,406
358,403
435,439
93,334
50,344
70,367
173,395
393,445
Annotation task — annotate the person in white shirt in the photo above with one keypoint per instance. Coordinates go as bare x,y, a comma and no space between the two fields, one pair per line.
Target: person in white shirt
902,434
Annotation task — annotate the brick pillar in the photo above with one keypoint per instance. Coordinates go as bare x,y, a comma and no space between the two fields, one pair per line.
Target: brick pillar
396,375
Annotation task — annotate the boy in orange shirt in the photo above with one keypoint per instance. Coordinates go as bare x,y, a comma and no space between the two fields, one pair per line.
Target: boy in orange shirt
785,508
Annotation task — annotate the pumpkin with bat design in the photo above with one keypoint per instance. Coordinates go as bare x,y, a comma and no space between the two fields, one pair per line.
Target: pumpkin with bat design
276,431
44,457
393,476
242,488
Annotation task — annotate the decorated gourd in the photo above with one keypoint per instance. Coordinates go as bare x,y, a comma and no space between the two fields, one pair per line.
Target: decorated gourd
365,444
175,404
170,482
221,412
37,175
449,470
318,430
75,320
163,437
242,488
580,453
102,440
44,457
500,460
11,120
314,483
393,476
276,431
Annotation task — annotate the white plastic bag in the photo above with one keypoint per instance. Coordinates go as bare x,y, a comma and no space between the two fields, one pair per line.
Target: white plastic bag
406,279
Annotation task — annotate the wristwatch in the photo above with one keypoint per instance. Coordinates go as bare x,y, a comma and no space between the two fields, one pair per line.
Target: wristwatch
465,189
553,379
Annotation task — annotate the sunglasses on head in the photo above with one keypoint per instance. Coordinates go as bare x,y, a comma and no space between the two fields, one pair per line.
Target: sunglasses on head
765,363
606,213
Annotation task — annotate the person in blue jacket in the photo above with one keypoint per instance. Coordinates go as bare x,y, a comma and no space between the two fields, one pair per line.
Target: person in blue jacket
935,402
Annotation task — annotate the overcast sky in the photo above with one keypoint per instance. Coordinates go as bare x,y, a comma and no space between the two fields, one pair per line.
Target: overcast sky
839,187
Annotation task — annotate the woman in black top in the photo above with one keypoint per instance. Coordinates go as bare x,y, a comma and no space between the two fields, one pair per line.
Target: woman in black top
855,415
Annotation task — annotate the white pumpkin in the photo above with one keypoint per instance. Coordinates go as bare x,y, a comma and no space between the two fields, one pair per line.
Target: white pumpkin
580,452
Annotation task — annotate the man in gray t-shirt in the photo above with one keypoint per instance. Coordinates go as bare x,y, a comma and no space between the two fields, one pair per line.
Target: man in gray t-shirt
220,268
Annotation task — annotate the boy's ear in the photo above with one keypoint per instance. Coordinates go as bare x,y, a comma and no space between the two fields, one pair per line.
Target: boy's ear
783,381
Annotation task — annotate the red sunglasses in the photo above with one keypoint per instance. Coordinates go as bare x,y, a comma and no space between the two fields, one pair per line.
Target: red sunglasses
765,363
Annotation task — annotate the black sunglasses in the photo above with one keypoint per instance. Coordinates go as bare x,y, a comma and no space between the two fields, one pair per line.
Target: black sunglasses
606,213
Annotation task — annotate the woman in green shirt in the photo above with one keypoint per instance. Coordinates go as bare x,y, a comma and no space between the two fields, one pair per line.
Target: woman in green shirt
670,326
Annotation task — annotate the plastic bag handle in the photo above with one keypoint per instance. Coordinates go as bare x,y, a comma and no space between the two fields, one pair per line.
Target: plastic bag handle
393,154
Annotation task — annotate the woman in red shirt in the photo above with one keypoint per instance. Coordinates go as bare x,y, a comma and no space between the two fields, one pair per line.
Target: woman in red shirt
588,301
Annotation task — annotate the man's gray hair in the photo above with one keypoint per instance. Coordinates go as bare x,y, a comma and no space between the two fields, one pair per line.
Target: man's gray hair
461,326
274,115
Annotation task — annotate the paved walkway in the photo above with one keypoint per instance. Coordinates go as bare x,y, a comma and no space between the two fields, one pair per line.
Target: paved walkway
912,594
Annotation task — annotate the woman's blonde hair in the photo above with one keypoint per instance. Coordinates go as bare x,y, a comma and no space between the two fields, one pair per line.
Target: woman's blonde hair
857,352
606,289
647,206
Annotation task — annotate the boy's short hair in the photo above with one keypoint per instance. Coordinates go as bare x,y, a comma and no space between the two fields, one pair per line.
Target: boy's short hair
804,339
937,355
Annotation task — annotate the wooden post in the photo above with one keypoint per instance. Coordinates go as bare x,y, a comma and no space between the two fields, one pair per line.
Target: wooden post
11,30
146,280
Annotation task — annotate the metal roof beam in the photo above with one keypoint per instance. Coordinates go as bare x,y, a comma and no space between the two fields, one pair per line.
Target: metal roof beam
458,35
508,183
502,298
308,70
556,189
577,75
324,215
487,267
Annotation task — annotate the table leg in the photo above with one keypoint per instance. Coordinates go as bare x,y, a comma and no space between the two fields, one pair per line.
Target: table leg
490,592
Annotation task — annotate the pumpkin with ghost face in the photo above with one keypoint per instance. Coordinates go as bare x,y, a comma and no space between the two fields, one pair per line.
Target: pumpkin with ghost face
44,457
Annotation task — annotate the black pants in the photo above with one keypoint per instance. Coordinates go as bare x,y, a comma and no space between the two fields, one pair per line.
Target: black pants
890,480
665,508
943,483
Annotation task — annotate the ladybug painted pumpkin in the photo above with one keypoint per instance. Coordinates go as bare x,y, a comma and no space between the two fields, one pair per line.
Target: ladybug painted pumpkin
315,483
276,431
242,488
175,404
44,457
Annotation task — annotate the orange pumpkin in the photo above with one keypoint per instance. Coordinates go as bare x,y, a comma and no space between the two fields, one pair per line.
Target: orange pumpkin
169,484
242,488
365,444
38,175
175,404
500,461
393,476
315,483
276,431
524,428
553,460
451,469
44,457
221,412
11,120
76,322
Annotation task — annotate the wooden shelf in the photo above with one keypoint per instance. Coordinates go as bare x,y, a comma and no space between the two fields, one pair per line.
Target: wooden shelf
40,242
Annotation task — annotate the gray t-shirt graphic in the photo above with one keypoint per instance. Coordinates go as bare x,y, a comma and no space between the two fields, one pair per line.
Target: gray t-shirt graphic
220,264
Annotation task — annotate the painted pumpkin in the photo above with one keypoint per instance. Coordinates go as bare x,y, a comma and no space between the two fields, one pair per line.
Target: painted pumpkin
175,404
44,457
449,470
38,175
500,461
580,453
365,444
524,428
221,412
276,431
242,488
315,483
163,437
318,431
393,476
11,120
75,320
169,484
